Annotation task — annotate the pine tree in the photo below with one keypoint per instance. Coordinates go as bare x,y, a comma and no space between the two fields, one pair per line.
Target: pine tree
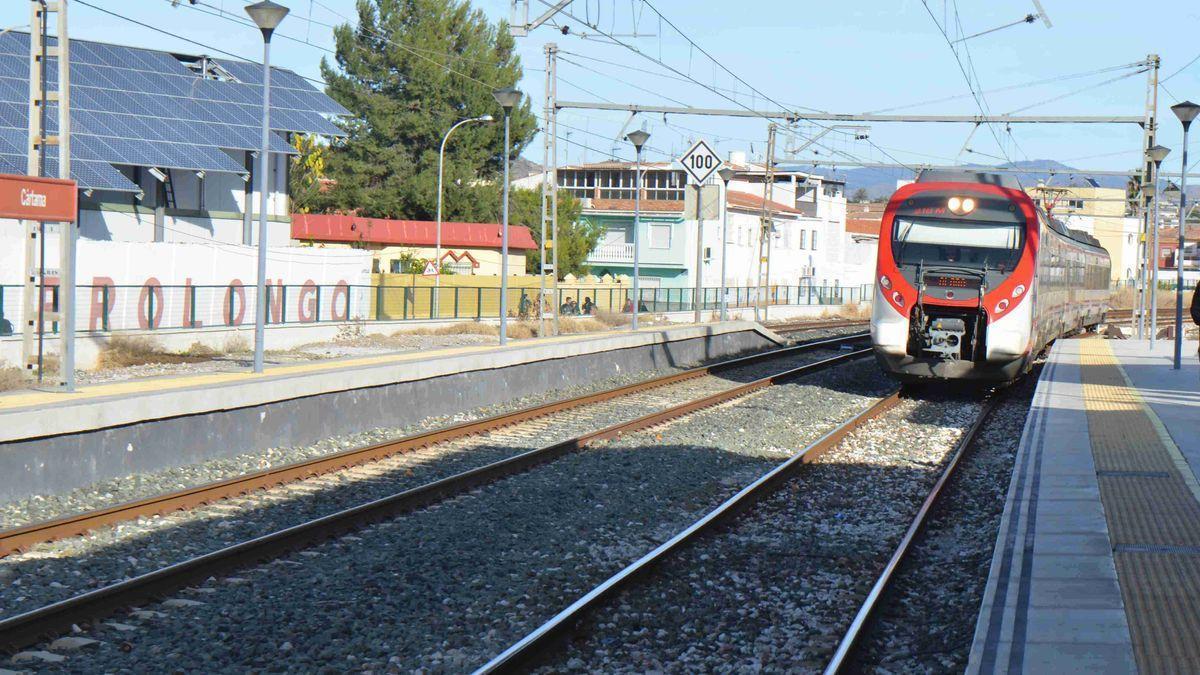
407,72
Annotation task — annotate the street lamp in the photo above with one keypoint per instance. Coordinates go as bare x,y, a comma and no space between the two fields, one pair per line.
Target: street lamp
1155,154
726,175
266,15
437,284
1186,112
508,98
638,138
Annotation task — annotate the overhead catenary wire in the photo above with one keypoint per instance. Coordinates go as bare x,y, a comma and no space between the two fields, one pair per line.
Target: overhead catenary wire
1010,87
663,64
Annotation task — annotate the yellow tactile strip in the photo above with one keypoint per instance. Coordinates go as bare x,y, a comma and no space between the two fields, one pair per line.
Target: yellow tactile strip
1163,607
1153,516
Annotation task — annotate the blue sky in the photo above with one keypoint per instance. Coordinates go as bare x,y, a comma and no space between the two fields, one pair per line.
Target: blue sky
837,57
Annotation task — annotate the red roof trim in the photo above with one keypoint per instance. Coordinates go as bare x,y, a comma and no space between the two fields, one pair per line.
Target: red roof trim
747,200
388,232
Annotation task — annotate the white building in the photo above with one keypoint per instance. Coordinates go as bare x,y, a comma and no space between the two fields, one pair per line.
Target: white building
809,243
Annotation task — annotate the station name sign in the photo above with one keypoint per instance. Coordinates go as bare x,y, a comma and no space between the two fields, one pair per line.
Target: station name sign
44,199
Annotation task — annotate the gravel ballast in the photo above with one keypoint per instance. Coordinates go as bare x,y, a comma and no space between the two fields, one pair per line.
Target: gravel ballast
775,589
110,492
56,570
445,588
927,620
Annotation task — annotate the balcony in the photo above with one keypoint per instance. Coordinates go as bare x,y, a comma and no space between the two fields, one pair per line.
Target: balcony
612,252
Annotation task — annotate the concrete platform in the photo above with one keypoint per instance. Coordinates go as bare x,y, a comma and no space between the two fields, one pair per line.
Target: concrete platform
1097,563
53,442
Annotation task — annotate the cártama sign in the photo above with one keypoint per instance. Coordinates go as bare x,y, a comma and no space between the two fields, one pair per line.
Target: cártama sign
52,200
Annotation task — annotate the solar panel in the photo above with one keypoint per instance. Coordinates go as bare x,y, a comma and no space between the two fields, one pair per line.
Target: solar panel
142,107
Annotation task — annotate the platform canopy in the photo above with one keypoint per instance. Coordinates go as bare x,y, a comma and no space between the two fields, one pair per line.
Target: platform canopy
141,107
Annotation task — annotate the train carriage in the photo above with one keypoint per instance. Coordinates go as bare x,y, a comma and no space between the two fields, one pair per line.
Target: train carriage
973,280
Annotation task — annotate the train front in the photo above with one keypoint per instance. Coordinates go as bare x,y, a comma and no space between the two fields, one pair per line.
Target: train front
954,281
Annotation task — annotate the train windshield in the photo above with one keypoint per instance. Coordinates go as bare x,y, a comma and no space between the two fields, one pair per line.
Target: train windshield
981,244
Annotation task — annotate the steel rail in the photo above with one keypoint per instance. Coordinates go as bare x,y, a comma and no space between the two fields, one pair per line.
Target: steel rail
30,627
799,326
843,655
538,642
21,538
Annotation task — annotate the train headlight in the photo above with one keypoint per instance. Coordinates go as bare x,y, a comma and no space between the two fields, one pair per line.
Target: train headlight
1018,290
885,282
1002,305
960,206
898,299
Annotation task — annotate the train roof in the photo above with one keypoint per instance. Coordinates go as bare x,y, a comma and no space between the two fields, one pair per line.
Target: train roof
1077,235
1004,180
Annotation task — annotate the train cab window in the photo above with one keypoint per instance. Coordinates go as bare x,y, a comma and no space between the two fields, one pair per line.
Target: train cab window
989,245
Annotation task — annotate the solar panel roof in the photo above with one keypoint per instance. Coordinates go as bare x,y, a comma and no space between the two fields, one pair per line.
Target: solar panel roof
141,107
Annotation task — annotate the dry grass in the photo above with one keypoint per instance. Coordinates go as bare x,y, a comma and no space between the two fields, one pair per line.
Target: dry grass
12,377
858,310
517,330
583,325
1126,298
136,350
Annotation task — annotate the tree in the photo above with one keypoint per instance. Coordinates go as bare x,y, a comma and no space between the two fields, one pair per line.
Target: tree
576,237
407,72
308,170
860,196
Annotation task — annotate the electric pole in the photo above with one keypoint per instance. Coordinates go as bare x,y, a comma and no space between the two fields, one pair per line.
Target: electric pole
1146,192
34,299
765,228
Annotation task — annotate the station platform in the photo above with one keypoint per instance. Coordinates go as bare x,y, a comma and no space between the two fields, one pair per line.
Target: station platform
1097,563
51,442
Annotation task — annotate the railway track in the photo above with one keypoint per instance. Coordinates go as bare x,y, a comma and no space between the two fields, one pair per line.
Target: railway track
801,326
30,626
21,538
543,641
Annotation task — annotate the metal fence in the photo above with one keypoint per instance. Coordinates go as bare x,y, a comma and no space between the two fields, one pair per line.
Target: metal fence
114,308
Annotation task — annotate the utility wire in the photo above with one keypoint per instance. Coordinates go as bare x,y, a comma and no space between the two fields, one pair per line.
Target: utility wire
1076,91
958,59
675,70
1011,87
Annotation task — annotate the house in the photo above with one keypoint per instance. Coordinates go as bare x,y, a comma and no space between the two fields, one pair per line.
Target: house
1081,204
809,242
467,248
1168,250
164,144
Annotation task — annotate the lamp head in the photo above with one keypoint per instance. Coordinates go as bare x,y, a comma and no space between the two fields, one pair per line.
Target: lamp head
726,174
508,98
267,16
1157,154
1186,112
486,118
638,138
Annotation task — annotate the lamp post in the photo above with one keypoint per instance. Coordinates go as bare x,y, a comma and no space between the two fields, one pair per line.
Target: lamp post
726,175
1156,154
266,15
638,138
508,98
1186,112
437,283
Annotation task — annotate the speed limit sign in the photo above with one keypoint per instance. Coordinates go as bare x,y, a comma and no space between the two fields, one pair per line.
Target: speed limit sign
700,162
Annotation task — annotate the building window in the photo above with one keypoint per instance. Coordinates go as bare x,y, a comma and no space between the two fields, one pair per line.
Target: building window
802,233
806,193
664,185
394,266
1074,203
660,235
581,184
832,190
812,244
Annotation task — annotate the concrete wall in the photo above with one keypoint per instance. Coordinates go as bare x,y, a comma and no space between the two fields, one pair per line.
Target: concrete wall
62,462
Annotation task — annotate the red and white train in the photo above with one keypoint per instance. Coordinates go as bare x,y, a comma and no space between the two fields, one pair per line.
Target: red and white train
974,280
